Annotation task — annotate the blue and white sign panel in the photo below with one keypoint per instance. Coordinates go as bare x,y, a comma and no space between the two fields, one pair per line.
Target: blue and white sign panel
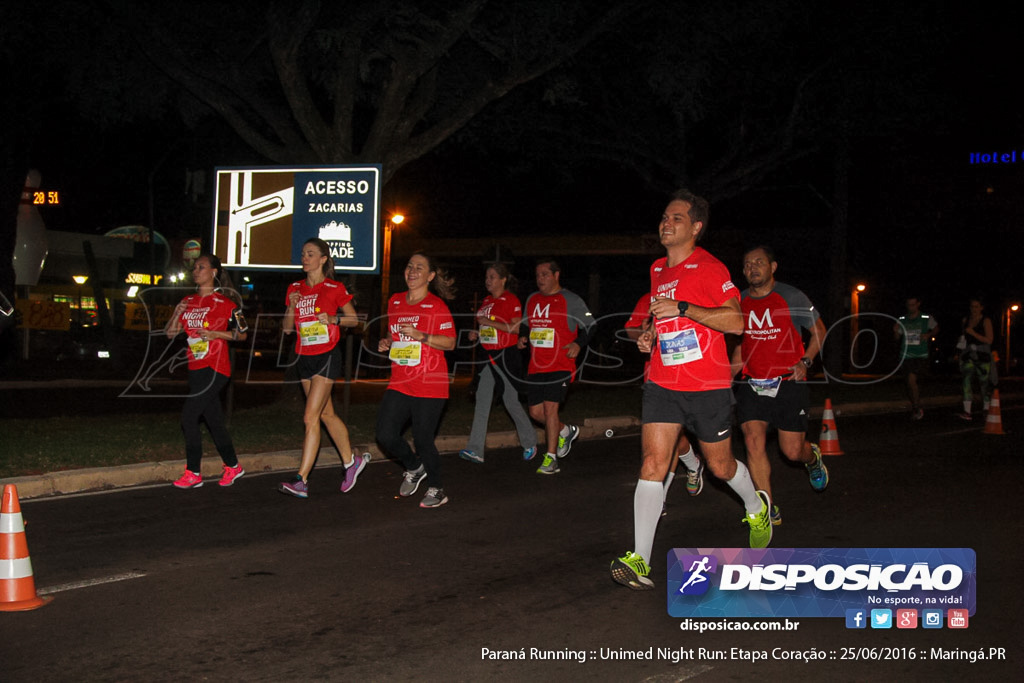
817,582
264,215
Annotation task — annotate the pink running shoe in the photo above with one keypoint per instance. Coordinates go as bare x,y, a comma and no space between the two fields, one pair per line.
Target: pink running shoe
230,474
189,480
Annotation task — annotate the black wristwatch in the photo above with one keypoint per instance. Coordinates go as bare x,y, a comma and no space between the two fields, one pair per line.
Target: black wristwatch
683,306
807,362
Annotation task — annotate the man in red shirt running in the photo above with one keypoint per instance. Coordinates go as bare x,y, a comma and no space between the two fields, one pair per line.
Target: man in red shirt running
774,366
694,303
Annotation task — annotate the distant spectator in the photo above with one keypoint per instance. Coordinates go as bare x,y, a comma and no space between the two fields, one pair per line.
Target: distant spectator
975,350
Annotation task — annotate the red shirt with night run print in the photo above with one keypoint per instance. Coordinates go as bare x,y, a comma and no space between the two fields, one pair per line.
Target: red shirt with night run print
687,356
213,312
503,309
418,369
314,337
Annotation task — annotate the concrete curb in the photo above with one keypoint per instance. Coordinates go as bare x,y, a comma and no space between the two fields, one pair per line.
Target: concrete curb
110,478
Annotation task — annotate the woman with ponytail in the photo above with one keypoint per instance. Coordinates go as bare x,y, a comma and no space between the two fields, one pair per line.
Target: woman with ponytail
318,307
210,319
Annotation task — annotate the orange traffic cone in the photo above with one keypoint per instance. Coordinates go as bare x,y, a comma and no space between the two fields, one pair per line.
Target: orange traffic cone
17,587
829,443
993,419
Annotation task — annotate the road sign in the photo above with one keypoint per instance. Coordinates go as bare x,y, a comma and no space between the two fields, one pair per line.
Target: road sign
263,215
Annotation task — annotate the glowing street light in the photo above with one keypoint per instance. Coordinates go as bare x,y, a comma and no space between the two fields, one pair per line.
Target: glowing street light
385,270
1009,314
855,311
80,280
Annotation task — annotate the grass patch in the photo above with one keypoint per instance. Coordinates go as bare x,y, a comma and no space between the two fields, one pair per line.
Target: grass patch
103,439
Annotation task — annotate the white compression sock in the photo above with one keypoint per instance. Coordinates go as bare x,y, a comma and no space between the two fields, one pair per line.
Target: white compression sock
743,485
647,502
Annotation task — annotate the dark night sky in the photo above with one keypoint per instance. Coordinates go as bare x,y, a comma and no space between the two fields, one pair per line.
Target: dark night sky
921,218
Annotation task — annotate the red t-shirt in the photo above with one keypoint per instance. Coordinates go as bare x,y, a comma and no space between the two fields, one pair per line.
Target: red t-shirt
504,309
554,321
640,312
416,368
214,312
772,341
313,337
637,318
689,356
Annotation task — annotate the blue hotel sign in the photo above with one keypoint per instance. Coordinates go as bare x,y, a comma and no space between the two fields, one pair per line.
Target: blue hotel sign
263,215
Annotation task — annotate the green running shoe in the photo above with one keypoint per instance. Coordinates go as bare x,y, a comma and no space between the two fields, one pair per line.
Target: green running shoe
549,466
631,571
565,442
761,523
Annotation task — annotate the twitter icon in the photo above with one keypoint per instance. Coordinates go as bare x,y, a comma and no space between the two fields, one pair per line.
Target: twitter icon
881,618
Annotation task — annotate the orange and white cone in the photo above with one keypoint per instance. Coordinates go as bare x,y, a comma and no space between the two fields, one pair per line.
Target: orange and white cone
993,419
17,587
829,442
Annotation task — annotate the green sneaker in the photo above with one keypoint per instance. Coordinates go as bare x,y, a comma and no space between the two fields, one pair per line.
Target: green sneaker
631,571
549,466
761,523
565,442
816,471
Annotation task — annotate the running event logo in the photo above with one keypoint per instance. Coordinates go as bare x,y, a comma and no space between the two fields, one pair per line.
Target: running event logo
817,582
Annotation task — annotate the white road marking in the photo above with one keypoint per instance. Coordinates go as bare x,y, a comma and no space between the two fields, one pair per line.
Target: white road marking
90,582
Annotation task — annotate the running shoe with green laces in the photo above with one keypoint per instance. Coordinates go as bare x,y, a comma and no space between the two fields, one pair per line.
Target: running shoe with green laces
760,523
565,442
816,471
695,480
549,466
776,516
631,571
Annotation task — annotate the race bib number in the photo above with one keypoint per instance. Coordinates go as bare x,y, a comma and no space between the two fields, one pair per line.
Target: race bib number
768,388
542,337
405,353
313,332
488,336
913,338
680,347
198,347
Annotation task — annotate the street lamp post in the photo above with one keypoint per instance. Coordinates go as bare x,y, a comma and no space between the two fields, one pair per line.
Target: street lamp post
855,311
385,270
1009,315
80,280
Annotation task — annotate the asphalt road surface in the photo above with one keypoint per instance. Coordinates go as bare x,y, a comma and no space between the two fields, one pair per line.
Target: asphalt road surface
247,584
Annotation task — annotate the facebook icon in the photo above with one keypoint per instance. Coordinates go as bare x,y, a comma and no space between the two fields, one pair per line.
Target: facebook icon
856,618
